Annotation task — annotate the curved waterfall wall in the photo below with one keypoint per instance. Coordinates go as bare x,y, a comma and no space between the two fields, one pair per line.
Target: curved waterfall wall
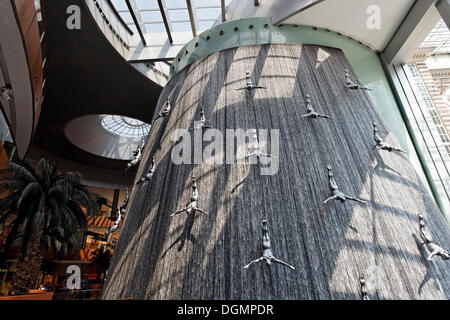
331,245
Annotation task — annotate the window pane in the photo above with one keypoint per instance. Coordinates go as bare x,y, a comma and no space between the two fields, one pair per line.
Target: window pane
176,3
207,3
151,16
181,26
155,27
132,27
126,16
178,15
208,13
204,25
147,4
120,5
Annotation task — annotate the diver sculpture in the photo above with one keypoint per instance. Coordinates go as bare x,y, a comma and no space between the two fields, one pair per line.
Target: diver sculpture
202,123
336,194
256,149
249,83
362,283
6,92
349,84
137,156
120,209
380,144
313,114
149,175
267,256
192,205
433,248
165,111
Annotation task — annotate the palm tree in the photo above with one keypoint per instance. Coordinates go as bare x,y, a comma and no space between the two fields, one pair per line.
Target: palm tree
102,258
44,207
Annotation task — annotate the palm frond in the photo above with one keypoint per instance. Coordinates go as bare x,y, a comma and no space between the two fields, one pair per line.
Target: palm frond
30,190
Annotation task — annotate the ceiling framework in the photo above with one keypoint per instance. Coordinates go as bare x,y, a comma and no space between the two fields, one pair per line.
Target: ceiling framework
191,18
160,16
163,10
132,11
223,10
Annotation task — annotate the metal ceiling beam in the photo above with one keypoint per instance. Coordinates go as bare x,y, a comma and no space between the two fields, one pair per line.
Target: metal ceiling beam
222,5
166,23
420,19
443,7
191,17
136,23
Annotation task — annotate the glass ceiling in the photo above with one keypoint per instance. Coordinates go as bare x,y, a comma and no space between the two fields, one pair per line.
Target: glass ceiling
438,37
124,126
205,13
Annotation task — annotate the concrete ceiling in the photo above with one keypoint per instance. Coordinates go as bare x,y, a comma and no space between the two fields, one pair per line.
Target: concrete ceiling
350,17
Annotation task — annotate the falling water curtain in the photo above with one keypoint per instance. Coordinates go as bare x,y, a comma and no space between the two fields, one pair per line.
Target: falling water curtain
331,246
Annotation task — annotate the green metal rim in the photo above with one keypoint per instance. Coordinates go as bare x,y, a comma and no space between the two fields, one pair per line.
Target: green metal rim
244,32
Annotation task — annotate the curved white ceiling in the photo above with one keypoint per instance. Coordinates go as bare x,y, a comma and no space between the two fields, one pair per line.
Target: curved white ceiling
88,134
350,17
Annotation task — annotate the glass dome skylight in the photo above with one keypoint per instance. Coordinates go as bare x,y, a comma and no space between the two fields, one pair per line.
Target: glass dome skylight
125,126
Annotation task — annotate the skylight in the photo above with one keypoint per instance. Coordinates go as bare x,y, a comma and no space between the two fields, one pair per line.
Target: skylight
125,126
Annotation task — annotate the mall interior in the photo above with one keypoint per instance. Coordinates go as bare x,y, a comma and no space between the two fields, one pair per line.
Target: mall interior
355,95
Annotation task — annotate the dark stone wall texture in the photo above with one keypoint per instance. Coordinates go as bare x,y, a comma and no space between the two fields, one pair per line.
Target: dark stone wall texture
331,246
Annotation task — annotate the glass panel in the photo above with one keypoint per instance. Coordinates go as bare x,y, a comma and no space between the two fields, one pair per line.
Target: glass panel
181,26
124,126
182,15
176,3
208,13
133,28
204,25
147,4
120,5
207,3
155,27
126,16
438,38
151,16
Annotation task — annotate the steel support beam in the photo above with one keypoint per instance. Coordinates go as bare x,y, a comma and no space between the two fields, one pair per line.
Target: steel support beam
222,6
166,23
421,18
443,7
191,18
135,20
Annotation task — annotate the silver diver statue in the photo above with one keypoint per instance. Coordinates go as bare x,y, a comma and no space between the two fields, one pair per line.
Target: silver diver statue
165,111
313,114
380,144
149,175
256,149
362,283
192,205
433,248
267,250
202,123
137,156
335,193
350,85
249,83
121,207
6,92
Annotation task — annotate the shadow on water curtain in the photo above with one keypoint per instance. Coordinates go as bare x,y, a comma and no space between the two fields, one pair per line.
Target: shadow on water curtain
331,245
